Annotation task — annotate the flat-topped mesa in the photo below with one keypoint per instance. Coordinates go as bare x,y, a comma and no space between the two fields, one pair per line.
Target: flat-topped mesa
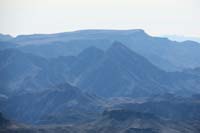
138,32
92,31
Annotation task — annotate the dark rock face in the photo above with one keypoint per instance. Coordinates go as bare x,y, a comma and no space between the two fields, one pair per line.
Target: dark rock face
177,109
127,121
122,115
138,130
3,121
116,121
62,104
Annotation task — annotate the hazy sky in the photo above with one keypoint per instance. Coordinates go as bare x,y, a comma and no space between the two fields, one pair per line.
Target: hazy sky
157,17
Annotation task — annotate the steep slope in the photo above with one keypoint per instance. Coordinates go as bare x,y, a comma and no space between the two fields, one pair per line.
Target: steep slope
121,72
83,63
15,68
26,72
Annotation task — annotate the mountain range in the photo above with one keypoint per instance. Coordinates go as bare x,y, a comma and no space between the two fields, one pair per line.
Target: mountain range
118,71
162,52
100,81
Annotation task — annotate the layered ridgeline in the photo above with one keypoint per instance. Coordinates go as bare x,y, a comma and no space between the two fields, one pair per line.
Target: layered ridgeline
158,115
101,87
166,54
61,104
118,71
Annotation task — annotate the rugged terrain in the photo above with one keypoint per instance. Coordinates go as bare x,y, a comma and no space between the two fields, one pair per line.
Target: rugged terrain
100,81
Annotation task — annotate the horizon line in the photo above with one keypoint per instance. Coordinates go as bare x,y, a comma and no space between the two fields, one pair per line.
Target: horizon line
103,29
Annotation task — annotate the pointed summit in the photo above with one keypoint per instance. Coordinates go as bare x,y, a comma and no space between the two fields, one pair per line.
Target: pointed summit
120,51
118,44
90,51
118,47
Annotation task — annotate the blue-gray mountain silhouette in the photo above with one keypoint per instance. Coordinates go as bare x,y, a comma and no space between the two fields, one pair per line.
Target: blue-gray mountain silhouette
118,71
164,53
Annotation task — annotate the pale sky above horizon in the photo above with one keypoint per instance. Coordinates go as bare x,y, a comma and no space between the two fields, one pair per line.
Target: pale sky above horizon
156,17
